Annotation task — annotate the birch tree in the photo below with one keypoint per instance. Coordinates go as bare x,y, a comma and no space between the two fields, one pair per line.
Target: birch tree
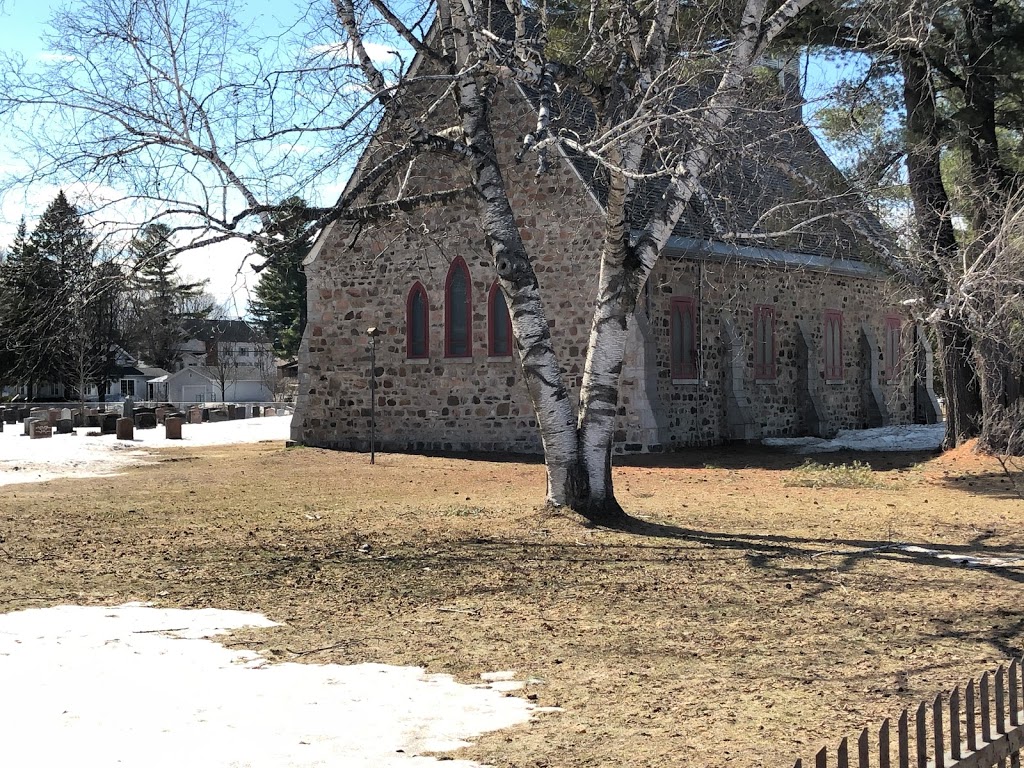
200,132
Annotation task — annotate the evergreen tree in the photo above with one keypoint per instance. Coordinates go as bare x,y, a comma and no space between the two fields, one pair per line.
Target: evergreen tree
279,306
28,312
162,298
76,328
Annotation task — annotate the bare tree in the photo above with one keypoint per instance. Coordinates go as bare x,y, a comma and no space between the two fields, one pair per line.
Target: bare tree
183,124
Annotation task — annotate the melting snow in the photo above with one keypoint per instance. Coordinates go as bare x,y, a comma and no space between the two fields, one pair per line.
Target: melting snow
134,685
901,438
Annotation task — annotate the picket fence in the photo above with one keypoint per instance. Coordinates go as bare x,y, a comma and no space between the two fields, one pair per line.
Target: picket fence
944,736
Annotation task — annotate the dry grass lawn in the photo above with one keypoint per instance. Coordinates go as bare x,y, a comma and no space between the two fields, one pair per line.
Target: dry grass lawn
706,636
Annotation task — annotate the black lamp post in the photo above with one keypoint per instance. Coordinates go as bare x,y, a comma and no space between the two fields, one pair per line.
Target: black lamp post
373,332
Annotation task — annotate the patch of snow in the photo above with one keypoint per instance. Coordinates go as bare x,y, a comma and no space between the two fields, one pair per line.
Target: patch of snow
927,437
137,685
23,460
970,561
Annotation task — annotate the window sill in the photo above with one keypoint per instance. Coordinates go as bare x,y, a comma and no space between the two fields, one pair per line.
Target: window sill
417,361
835,381
500,358
766,380
685,382
458,359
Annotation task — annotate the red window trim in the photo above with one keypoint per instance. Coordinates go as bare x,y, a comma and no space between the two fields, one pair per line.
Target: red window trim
833,357
682,368
495,292
766,369
417,288
458,264
893,322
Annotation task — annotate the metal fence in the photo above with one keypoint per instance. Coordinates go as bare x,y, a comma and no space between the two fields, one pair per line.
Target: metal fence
985,732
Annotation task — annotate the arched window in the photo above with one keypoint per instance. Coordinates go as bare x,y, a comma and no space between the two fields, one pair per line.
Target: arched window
683,338
833,333
499,324
458,312
417,323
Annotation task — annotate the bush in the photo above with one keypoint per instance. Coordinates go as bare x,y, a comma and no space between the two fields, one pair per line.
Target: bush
811,474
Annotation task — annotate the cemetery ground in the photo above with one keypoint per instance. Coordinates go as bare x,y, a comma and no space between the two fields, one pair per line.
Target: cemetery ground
748,621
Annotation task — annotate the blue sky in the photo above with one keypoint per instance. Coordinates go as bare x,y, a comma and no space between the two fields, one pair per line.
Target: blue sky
23,24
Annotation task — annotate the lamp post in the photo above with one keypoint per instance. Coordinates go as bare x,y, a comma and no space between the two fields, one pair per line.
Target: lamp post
373,332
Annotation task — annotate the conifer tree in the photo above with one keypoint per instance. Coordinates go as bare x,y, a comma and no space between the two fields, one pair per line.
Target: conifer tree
162,298
279,306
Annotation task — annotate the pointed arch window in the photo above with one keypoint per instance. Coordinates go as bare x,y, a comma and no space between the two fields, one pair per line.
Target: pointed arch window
764,342
683,338
458,312
833,331
417,324
499,324
893,347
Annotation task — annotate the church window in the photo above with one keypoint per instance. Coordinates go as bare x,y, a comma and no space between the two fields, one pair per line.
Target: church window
764,342
458,326
833,330
683,333
417,327
499,324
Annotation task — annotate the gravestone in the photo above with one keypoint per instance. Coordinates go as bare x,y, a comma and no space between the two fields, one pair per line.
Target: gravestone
126,428
195,415
241,411
206,414
24,413
40,428
65,426
1,425
128,409
232,410
161,414
11,415
39,413
78,418
53,415
145,420
92,418
109,424
172,427
65,413
218,414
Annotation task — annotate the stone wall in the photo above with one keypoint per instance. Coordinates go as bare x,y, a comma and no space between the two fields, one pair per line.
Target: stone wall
361,278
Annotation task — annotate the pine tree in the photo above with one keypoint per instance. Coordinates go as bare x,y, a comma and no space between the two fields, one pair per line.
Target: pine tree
77,329
279,306
163,299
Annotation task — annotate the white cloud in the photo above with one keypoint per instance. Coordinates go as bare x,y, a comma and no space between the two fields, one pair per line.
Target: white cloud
228,267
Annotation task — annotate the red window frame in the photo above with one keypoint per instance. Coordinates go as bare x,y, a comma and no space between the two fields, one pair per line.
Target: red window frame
683,361
496,299
764,346
458,267
893,346
411,322
832,327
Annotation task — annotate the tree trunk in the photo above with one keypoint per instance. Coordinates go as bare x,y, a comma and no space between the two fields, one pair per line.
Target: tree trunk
960,385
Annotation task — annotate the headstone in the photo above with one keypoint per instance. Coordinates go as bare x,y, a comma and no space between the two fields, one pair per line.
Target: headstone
128,409
241,411
11,415
232,411
25,413
109,424
218,414
40,428
65,426
161,414
145,420
268,411
92,418
39,413
126,428
78,418
206,414
172,427
65,413
195,415
53,415
1,425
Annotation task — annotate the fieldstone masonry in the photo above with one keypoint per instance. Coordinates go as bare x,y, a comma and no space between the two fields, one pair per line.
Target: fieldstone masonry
479,402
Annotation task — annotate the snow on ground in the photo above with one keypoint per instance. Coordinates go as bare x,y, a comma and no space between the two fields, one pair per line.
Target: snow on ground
136,685
901,438
23,460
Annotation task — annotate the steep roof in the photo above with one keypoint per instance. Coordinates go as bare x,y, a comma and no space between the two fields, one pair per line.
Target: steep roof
769,184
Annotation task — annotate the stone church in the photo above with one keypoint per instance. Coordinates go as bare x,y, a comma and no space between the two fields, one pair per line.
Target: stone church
797,332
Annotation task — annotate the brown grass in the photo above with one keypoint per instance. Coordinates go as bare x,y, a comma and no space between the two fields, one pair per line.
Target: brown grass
706,635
